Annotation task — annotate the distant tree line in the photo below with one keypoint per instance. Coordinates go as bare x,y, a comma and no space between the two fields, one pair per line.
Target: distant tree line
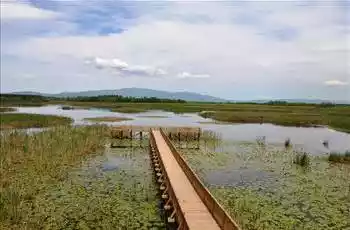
323,104
119,98
20,97
276,103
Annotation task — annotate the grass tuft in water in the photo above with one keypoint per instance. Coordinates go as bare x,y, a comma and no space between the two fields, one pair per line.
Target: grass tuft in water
261,141
302,159
287,143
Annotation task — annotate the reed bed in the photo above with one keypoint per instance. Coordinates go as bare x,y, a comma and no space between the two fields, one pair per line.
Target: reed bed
23,120
31,163
7,109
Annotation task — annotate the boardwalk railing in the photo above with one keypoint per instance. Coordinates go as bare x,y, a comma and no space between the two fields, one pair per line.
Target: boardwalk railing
166,187
221,217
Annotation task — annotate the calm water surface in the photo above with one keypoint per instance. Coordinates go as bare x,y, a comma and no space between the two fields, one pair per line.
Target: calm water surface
308,139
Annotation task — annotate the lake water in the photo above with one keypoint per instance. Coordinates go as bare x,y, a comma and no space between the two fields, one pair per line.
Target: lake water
307,139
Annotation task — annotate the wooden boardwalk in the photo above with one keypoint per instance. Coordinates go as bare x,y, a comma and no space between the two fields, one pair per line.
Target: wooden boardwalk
193,206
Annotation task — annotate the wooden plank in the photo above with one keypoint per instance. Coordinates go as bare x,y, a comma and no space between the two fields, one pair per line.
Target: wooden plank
195,212
221,217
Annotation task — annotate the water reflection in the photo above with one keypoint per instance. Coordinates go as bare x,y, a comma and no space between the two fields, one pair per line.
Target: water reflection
307,139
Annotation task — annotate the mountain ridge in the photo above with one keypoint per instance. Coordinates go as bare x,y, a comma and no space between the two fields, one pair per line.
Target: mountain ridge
183,95
132,92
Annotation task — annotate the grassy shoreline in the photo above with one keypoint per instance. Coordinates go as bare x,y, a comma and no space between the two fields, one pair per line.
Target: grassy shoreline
7,109
23,120
107,119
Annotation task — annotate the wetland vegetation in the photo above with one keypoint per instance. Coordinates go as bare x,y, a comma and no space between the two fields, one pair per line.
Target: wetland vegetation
32,163
262,188
7,109
287,114
68,178
22,120
302,159
108,119
340,157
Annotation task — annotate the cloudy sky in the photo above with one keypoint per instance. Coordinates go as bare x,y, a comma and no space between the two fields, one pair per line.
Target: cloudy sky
229,49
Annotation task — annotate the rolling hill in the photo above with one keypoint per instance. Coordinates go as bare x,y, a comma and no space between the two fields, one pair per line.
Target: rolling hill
133,92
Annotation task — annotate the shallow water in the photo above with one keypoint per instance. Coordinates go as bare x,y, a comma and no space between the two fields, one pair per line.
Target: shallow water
306,139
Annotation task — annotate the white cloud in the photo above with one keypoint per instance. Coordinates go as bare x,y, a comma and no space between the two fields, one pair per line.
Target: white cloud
196,38
335,83
190,75
110,63
13,10
123,68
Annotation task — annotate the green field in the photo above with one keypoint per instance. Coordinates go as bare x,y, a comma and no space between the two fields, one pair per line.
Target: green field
21,121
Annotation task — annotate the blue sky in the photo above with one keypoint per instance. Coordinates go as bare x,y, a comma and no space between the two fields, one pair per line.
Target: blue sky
236,50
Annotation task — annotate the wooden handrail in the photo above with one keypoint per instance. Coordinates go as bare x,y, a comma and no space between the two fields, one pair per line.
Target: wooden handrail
179,215
220,215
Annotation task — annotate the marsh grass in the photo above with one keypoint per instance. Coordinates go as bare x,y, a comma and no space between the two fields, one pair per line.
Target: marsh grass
287,199
287,143
22,120
110,191
66,107
339,157
302,119
302,159
129,109
153,116
31,163
108,119
308,115
7,109
261,140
